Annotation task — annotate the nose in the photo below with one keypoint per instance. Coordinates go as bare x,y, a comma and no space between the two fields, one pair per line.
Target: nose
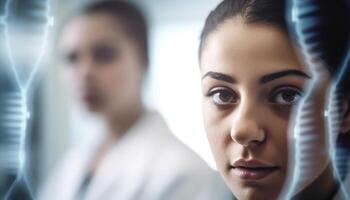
246,129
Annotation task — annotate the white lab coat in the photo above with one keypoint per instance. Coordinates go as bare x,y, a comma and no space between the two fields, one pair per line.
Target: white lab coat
148,163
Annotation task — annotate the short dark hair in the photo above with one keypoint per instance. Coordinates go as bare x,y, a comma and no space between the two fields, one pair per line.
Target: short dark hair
131,18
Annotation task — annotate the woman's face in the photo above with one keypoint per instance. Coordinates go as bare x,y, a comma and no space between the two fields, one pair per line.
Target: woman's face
103,65
251,78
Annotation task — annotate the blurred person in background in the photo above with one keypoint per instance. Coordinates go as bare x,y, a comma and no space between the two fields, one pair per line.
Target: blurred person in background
105,53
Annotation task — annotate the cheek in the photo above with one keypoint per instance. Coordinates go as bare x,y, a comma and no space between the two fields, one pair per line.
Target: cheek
277,140
72,81
120,85
216,131
111,80
211,124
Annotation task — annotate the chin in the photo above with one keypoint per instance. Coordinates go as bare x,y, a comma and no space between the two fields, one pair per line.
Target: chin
94,109
254,193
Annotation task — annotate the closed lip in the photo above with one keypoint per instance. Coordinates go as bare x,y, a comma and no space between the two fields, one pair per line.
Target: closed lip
252,169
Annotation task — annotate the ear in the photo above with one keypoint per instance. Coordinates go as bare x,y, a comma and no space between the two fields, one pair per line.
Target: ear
345,125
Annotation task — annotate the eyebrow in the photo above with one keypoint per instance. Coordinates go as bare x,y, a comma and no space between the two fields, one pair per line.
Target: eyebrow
219,76
264,79
292,72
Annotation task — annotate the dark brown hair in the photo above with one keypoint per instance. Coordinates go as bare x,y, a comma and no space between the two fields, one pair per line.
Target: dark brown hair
251,11
334,31
131,18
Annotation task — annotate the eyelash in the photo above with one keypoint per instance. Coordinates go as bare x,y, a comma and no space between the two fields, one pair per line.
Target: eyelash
223,90
279,90
233,99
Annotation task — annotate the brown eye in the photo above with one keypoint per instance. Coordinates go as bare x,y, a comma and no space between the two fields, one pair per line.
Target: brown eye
286,96
223,97
104,54
71,58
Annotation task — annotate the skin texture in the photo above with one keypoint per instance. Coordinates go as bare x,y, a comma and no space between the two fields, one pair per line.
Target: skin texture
104,69
252,79
249,118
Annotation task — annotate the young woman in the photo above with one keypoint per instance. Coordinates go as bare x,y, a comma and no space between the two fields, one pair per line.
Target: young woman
104,49
252,78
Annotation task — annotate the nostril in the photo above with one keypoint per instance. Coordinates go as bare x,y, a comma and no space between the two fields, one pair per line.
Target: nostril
248,134
255,143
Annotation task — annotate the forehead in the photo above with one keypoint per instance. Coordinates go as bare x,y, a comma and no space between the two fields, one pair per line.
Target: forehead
253,49
89,29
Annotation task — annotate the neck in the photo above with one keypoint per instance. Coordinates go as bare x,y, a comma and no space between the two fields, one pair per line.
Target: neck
118,124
